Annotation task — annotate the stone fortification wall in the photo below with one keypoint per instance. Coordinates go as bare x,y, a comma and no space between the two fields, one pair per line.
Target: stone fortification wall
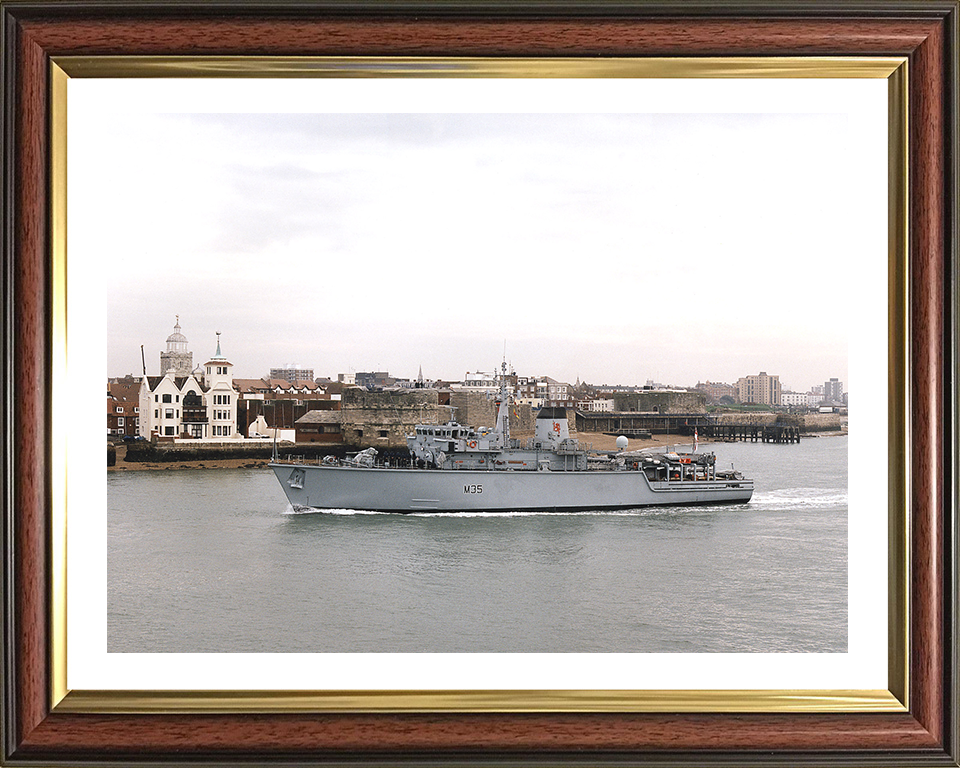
474,409
383,419
808,422
659,402
160,453
748,418
823,422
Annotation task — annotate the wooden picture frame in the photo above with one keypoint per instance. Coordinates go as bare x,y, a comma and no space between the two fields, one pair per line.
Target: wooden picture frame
37,732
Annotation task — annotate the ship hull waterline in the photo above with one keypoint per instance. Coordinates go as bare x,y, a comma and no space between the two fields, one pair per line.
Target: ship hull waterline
419,490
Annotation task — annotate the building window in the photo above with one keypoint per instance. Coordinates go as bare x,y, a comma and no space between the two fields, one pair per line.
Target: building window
169,413
120,422
384,433
119,409
168,431
167,399
136,409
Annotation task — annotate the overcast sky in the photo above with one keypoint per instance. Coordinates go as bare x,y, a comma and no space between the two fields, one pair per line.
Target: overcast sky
613,248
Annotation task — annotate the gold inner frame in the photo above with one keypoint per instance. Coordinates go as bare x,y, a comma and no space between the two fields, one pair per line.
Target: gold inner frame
895,699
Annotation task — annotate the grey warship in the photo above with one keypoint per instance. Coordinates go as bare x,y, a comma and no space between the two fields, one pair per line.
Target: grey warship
455,468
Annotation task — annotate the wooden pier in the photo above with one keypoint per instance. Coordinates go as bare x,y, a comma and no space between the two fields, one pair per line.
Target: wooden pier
755,433
645,425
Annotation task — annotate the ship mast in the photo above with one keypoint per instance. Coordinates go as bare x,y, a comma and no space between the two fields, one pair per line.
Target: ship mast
503,413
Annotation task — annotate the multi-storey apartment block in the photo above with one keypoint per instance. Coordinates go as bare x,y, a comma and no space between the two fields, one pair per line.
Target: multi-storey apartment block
762,389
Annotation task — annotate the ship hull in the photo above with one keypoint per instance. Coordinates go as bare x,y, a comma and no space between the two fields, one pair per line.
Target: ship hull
424,490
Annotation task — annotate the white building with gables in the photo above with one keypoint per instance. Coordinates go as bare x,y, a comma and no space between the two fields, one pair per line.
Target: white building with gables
200,405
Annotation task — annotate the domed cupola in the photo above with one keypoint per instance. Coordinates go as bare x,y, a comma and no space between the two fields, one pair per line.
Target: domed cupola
176,359
176,341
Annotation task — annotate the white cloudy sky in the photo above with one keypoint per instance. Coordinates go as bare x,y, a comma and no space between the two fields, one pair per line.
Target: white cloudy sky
613,247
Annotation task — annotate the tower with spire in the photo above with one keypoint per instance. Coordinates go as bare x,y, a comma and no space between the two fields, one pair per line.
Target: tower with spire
176,358
221,399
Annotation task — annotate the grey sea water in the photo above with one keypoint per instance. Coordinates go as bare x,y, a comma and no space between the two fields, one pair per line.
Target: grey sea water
215,561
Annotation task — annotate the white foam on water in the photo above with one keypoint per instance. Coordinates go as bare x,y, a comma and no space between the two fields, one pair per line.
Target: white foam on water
291,510
797,498
638,512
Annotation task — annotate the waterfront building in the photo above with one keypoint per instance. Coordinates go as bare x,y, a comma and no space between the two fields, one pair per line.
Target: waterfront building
761,389
221,400
478,381
162,403
597,406
794,399
833,391
716,390
319,427
374,379
122,417
559,394
201,405
814,398
276,389
123,407
292,373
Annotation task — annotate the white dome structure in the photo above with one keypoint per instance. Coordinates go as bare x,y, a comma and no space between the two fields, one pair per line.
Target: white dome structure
176,358
176,341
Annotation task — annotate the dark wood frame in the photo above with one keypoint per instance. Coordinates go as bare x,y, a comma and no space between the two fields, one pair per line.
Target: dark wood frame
925,32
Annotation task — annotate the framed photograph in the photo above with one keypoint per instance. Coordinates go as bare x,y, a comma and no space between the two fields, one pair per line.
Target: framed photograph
853,114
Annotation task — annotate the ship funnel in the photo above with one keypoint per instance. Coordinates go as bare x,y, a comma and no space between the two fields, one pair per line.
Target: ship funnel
552,426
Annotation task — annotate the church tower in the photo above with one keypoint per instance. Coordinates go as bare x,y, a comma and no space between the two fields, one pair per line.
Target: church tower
176,358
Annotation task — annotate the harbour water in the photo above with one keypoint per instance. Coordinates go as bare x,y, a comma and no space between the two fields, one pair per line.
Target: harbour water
214,560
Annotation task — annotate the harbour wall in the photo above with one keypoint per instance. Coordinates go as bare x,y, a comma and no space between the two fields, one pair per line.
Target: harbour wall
163,453
807,422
